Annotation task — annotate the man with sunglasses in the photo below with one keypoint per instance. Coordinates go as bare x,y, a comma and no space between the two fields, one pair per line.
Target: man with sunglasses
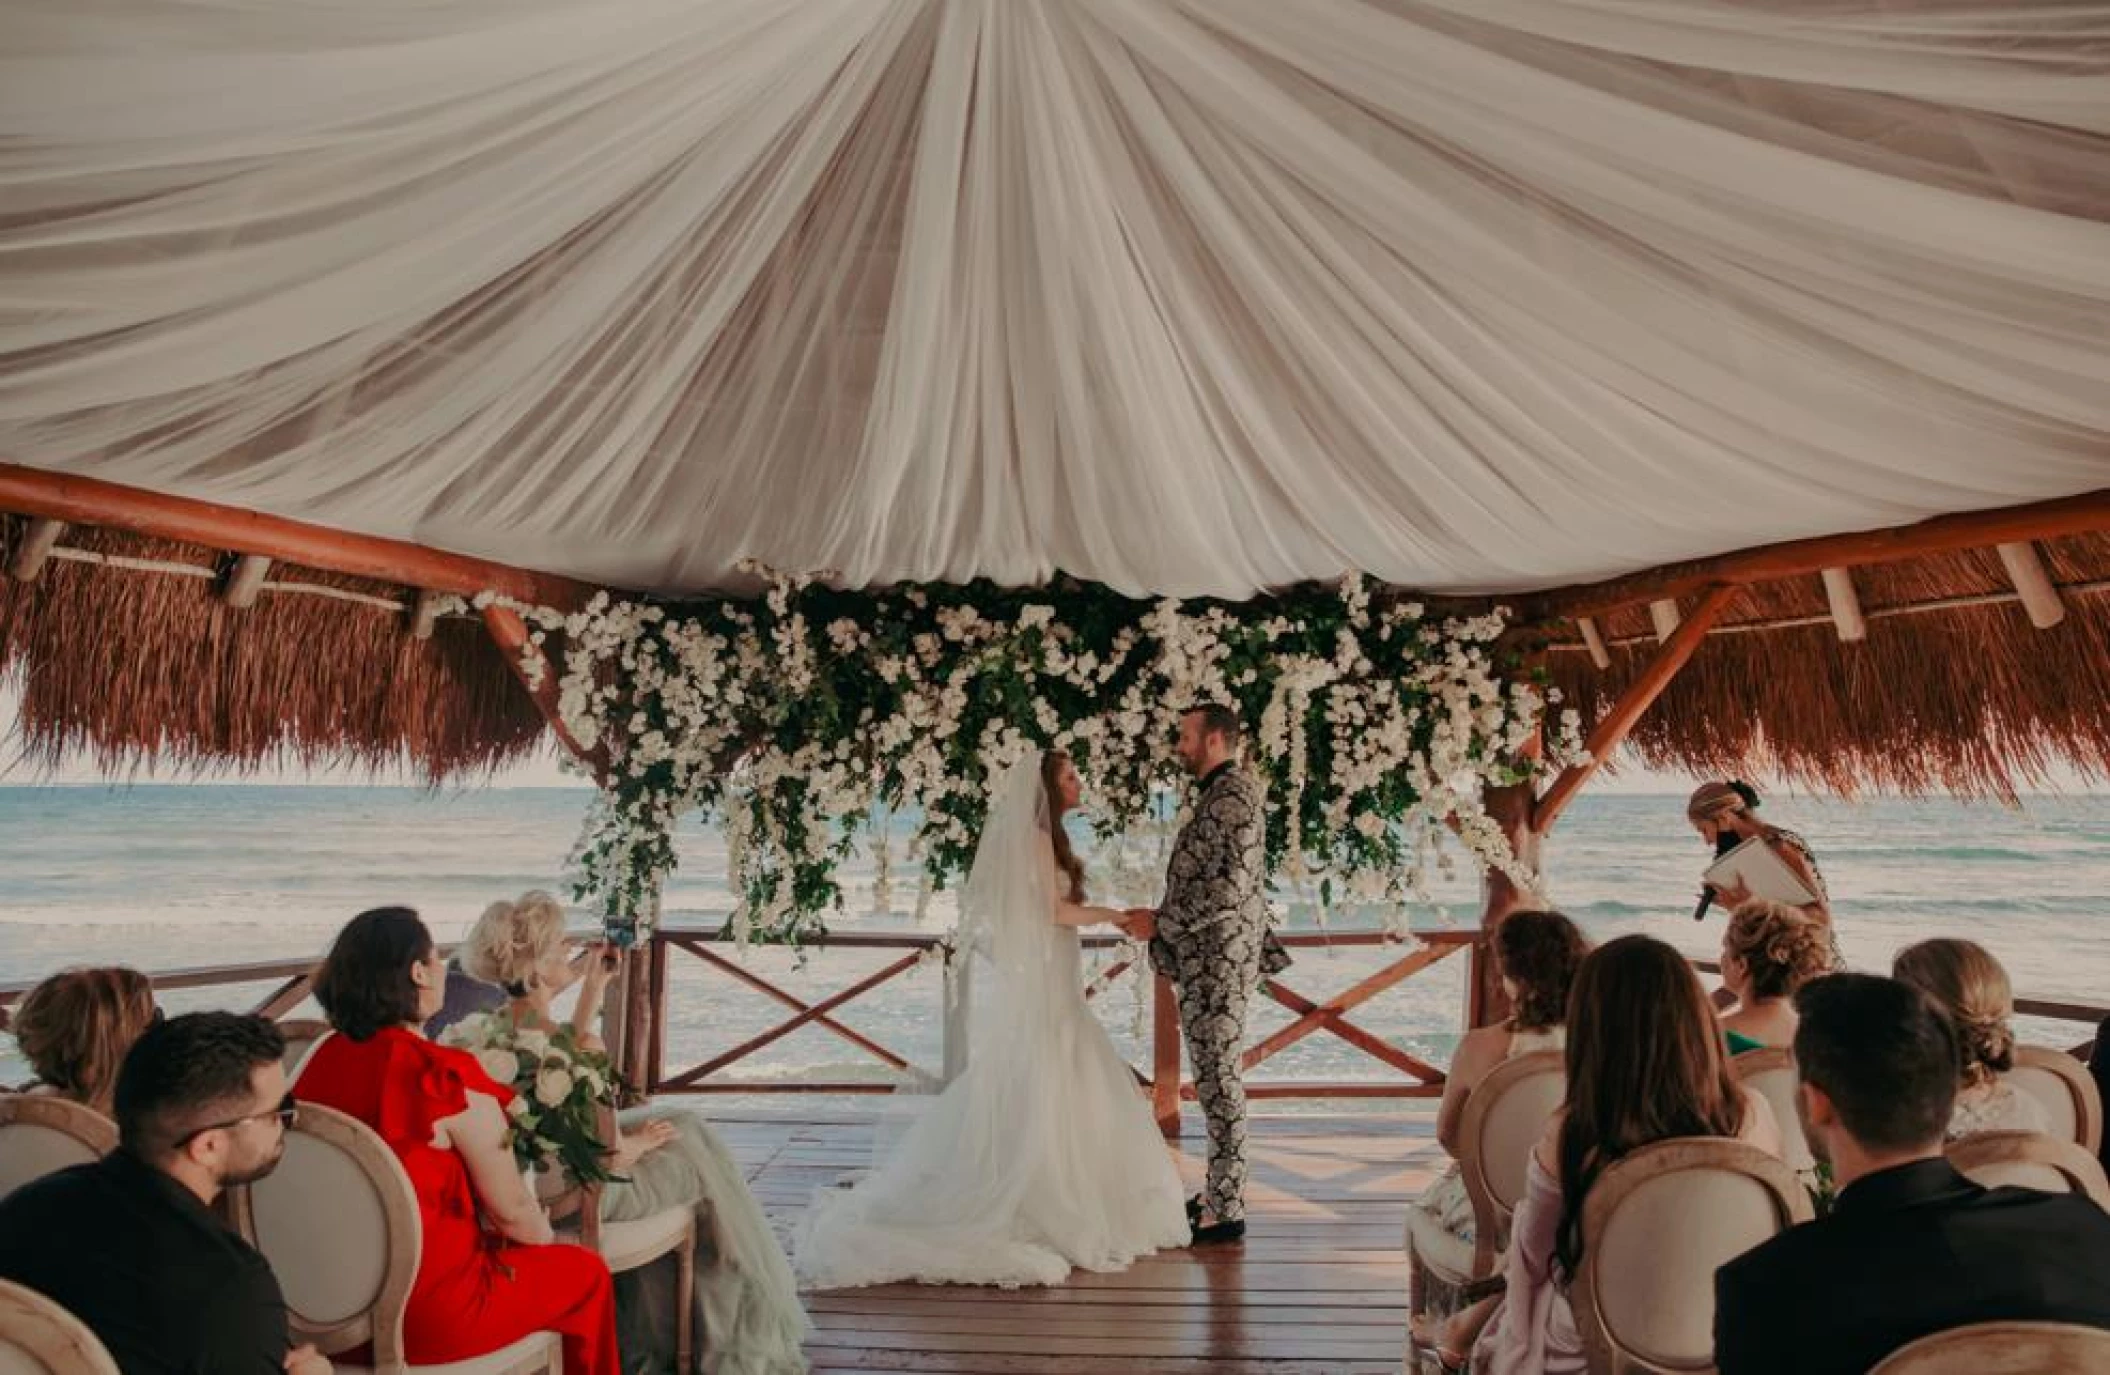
130,1244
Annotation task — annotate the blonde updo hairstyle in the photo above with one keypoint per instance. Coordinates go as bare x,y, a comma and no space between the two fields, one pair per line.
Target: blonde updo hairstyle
511,941
1781,947
1974,990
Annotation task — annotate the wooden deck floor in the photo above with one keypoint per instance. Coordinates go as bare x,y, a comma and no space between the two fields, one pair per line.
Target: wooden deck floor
1319,1285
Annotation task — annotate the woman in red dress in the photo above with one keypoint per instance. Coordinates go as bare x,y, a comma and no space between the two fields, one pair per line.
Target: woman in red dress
488,1274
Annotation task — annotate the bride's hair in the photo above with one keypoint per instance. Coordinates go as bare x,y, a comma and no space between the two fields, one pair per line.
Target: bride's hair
1051,762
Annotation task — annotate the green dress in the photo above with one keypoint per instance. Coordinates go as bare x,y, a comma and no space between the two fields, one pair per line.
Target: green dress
1739,1043
748,1317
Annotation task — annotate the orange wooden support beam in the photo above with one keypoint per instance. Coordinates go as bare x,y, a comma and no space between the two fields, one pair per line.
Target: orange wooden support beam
1639,696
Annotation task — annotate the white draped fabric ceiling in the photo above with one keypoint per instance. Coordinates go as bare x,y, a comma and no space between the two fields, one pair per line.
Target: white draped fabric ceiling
1185,296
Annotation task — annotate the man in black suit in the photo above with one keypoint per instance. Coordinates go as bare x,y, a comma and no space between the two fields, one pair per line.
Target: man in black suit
1912,1247
130,1244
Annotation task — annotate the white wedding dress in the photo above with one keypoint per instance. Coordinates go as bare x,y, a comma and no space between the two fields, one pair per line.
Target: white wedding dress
1041,1156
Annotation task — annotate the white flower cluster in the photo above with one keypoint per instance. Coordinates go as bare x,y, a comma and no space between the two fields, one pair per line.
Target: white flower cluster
792,719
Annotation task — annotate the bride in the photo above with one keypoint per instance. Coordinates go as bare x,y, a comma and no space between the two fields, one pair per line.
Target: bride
1041,1156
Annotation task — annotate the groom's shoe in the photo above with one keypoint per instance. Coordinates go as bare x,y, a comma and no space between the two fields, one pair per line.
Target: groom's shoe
1218,1233
1194,1210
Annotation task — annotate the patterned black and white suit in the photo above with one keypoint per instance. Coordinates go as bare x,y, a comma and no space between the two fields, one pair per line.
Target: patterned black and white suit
1213,942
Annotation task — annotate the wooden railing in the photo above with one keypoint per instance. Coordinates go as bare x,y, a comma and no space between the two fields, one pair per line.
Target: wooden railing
1417,1078
290,982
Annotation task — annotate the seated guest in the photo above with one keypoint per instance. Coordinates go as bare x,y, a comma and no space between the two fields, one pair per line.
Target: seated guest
1769,950
130,1245
464,997
2099,1066
75,1027
1911,1247
1536,956
1969,985
445,1120
747,1304
1645,1064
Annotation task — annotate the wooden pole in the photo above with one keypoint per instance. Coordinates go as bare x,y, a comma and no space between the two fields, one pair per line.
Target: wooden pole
1638,697
1165,1057
1511,809
1845,605
511,635
2025,569
1594,642
87,501
425,614
35,549
246,581
1663,614
2074,515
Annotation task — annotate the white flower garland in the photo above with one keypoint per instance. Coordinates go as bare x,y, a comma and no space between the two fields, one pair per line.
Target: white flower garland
791,720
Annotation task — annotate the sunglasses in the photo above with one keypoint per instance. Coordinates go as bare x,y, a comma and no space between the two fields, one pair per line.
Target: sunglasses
287,1112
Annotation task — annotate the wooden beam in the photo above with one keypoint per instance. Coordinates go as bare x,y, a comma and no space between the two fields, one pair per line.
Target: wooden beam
1663,614
510,634
425,614
246,581
88,501
1845,605
2074,515
34,551
1594,642
2025,569
1639,696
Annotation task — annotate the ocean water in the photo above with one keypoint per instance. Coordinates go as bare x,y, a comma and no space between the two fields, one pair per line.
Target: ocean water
172,876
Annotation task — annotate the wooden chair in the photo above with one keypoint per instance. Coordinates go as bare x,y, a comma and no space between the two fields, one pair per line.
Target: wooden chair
37,1337
1504,1117
2030,1160
2062,1085
1656,1226
2004,1348
41,1133
338,1221
633,1244
1771,1070
302,1035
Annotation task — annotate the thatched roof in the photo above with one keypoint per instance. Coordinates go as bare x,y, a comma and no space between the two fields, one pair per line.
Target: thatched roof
1952,688
128,666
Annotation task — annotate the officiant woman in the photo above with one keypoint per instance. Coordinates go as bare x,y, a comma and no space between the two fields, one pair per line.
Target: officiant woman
1725,813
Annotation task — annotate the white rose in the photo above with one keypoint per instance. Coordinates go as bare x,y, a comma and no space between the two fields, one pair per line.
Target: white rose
517,1108
501,1064
552,1087
533,1042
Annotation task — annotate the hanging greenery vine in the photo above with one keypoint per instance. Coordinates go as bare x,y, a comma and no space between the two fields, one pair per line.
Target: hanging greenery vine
790,718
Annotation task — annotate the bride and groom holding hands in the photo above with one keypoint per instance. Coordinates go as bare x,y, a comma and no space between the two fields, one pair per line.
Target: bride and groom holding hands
1040,1156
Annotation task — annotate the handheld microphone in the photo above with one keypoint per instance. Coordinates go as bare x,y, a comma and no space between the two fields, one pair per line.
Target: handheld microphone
1699,911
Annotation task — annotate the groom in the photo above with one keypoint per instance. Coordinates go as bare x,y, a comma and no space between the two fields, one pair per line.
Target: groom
1211,939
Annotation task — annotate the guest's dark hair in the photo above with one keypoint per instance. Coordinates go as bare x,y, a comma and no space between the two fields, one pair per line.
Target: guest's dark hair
186,1073
364,984
1885,1054
1645,1064
1218,719
1539,952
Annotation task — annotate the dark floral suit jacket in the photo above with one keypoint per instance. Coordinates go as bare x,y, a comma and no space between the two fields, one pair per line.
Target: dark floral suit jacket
1216,882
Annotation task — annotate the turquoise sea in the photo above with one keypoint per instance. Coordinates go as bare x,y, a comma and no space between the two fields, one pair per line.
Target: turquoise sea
167,876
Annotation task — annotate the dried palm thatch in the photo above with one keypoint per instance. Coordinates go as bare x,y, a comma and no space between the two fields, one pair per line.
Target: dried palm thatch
1948,691
128,669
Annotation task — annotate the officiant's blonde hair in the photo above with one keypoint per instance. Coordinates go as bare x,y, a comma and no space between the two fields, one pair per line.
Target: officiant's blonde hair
511,940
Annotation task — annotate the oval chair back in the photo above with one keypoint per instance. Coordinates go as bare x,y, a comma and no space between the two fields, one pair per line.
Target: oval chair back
1771,1071
2004,1348
1504,1118
2030,1160
42,1133
338,1221
37,1337
1656,1226
2063,1087
302,1035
